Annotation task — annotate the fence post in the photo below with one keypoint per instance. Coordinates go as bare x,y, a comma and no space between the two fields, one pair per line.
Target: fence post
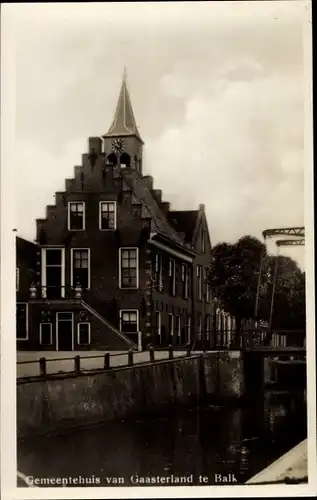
130,357
77,363
42,367
170,352
151,351
106,364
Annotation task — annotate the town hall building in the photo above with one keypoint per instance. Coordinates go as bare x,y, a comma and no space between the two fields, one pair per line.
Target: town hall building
113,267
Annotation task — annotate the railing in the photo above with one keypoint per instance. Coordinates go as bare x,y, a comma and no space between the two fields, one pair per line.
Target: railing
84,363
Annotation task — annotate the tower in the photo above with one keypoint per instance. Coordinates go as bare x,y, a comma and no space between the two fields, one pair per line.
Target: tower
123,143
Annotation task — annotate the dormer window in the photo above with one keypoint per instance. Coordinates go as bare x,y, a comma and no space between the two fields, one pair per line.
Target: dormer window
107,215
76,216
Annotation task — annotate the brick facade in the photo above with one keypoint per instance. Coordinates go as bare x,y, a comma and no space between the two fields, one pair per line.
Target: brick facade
136,258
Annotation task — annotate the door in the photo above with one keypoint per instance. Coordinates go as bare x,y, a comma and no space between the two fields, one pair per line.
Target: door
65,334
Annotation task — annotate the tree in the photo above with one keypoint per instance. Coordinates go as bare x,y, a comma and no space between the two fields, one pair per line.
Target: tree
234,277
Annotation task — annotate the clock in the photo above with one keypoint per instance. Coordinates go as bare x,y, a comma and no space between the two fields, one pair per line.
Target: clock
117,145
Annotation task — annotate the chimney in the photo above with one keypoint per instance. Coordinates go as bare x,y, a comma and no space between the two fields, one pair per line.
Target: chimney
158,195
165,206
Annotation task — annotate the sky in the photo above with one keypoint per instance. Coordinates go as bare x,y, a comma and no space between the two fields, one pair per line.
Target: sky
218,95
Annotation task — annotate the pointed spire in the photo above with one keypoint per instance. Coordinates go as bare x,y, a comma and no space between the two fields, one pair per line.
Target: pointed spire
124,122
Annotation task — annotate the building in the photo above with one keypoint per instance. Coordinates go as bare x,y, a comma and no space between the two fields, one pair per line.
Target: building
113,266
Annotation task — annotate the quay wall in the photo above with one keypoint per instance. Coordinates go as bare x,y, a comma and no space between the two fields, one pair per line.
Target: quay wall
60,403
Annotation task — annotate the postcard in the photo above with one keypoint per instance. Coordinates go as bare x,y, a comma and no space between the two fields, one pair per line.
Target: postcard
157,250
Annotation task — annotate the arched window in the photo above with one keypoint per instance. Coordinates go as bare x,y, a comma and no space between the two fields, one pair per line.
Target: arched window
112,159
125,160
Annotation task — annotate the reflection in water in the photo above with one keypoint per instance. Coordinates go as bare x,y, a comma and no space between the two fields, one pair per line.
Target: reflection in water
209,440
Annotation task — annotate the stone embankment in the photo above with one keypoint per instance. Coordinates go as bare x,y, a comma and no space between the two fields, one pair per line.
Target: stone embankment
57,403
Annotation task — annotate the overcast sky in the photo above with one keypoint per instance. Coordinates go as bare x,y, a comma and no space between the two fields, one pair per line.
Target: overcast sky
217,90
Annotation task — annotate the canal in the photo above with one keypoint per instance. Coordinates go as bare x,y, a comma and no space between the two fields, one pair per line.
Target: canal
231,441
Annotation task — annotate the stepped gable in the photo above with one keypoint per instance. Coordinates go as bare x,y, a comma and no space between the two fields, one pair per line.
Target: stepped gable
184,221
150,207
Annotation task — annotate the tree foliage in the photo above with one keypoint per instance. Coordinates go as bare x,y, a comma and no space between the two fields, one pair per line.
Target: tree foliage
234,281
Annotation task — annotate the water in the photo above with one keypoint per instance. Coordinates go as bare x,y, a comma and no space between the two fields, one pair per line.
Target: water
236,442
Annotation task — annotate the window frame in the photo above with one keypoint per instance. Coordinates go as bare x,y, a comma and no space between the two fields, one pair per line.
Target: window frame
185,280
189,327
51,333
84,215
137,268
137,321
158,265
158,323
72,250
199,326
101,202
26,322
199,281
173,270
44,266
178,325
89,332
17,279
171,317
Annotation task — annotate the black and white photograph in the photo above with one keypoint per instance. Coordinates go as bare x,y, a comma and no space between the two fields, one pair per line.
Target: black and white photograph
157,250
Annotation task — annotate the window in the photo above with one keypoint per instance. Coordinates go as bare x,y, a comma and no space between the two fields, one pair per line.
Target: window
171,273
129,268
53,273
199,282
171,324
17,279
83,333
80,271
76,216
178,326
107,215
189,321
203,241
185,279
208,326
199,326
208,292
46,333
158,323
158,272
22,321
129,321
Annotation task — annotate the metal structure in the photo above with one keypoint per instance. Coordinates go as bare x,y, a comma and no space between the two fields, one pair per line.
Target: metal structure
284,231
297,232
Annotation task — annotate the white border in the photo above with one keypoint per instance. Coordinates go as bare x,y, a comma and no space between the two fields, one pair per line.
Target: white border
27,322
84,215
51,332
115,215
137,268
62,312
7,255
89,332
72,266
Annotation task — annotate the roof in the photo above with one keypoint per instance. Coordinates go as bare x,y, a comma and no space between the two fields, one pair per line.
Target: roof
124,122
150,207
184,221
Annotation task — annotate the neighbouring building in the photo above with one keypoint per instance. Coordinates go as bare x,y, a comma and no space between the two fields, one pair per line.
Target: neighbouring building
113,267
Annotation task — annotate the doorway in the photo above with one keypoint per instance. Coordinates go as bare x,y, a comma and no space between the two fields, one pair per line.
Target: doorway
64,331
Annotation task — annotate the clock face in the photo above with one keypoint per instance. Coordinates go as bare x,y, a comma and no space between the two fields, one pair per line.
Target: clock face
117,145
